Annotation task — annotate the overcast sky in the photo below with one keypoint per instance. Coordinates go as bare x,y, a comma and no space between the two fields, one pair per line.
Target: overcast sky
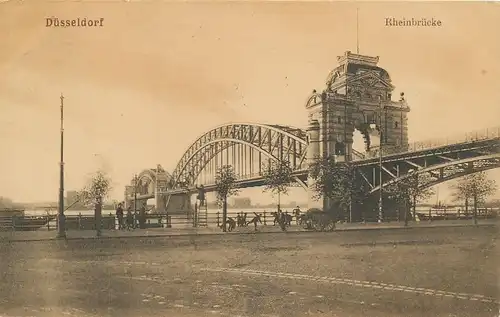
140,89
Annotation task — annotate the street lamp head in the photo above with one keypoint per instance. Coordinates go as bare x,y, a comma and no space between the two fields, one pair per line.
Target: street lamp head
373,126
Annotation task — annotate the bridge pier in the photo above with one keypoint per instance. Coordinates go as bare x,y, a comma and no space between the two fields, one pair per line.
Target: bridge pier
160,204
312,156
160,181
179,204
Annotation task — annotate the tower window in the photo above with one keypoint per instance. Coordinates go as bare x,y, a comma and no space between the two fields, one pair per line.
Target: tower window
370,118
389,96
339,119
396,124
340,148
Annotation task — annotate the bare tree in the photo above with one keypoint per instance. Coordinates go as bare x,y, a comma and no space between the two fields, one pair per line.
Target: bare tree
225,186
475,186
418,191
94,193
400,192
340,182
461,194
277,178
410,191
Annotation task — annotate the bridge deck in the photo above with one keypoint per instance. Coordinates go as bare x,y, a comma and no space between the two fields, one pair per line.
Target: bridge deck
416,150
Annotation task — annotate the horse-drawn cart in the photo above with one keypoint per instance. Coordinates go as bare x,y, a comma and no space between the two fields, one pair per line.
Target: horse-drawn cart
318,220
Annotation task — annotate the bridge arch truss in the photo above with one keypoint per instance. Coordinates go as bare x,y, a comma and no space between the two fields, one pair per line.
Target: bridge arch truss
439,165
248,147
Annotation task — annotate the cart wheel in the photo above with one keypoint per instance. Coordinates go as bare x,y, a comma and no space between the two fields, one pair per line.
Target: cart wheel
330,225
305,224
317,225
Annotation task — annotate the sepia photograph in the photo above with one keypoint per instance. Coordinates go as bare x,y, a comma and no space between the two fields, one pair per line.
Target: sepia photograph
249,158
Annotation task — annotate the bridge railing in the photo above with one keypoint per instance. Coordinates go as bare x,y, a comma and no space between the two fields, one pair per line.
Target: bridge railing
74,222
27,223
468,137
213,218
247,176
356,155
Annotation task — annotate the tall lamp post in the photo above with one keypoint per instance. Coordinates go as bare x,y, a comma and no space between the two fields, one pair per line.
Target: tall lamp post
135,193
136,183
402,100
381,195
61,232
380,198
381,136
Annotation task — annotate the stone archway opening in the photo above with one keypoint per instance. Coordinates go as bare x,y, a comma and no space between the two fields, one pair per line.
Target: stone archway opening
358,141
366,138
362,140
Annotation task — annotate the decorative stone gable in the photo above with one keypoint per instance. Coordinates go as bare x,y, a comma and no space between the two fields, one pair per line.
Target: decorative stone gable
358,93
370,80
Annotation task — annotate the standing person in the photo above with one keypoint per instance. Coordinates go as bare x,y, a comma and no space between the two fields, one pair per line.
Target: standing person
279,216
119,216
288,219
136,219
238,220
282,220
201,195
142,217
130,218
296,213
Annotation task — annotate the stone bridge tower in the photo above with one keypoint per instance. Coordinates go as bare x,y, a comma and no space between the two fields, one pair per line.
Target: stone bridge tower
358,96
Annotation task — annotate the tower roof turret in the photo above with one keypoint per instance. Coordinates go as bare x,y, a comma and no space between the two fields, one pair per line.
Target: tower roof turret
351,64
352,58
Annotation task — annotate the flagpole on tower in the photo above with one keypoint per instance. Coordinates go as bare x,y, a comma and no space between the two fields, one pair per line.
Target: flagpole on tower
357,30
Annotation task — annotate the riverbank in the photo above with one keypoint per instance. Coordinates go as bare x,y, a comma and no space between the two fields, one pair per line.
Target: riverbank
213,230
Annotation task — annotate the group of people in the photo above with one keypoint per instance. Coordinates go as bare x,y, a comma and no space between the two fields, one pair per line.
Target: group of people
283,219
132,220
241,221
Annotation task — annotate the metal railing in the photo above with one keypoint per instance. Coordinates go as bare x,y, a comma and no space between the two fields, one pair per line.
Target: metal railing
77,222
27,223
469,137
214,219
356,155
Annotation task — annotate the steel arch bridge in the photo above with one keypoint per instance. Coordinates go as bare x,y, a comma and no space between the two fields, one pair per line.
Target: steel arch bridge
439,163
249,147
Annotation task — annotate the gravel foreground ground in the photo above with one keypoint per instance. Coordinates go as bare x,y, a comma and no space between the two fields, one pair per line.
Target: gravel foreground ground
420,272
